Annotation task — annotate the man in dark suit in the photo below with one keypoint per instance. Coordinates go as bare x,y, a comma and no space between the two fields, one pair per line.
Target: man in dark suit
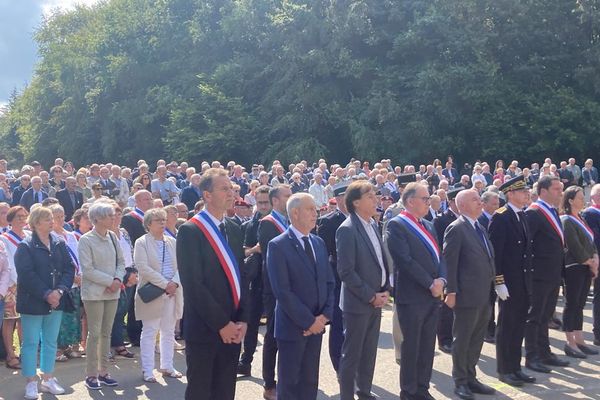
592,217
34,194
108,186
69,198
470,261
364,273
269,227
450,173
491,202
302,283
253,265
327,225
215,292
511,239
23,183
420,272
548,262
446,318
190,194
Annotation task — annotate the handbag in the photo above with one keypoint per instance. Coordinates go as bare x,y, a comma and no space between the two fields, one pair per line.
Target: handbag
150,291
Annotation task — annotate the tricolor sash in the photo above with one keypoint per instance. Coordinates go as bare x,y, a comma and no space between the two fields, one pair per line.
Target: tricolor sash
594,208
74,258
549,215
168,232
13,238
276,220
137,214
422,233
589,233
221,248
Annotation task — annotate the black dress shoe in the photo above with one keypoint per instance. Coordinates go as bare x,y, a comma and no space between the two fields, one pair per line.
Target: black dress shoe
480,388
524,377
571,352
596,342
445,348
511,379
489,339
464,392
555,361
585,349
408,396
425,395
244,369
537,367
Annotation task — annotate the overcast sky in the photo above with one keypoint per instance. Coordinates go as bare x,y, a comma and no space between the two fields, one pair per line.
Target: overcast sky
18,52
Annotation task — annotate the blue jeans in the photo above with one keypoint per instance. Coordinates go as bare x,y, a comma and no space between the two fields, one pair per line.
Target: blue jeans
36,329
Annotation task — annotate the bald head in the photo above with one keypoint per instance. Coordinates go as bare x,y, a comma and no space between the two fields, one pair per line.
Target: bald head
469,203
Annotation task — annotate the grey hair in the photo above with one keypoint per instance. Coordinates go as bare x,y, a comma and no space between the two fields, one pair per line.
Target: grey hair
153,213
488,195
296,200
56,209
99,210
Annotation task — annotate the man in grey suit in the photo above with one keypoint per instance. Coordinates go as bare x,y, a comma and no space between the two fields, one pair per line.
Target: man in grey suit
364,273
469,257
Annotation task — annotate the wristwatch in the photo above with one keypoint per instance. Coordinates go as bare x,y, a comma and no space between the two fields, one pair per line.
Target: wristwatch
60,291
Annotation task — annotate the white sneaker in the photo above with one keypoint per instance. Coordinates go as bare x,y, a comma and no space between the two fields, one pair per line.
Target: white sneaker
31,390
52,386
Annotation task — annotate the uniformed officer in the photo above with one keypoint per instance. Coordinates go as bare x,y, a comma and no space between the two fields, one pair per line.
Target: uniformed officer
327,225
512,245
446,320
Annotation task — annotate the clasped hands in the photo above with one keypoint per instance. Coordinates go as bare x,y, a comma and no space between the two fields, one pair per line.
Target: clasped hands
171,288
233,332
317,327
53,298
380,299
437,287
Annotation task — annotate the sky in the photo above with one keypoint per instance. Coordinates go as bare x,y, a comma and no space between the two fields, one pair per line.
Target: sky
18,51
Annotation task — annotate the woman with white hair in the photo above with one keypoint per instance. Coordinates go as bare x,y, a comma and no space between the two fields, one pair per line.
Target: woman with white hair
103,268
155,258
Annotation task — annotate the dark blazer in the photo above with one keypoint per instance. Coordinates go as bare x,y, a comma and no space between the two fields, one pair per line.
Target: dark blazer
548,250
39,272
27,199
208,302
414,266
593,220
451,175
441,223
301,295
134,227
108,187
327,225
579,247
17,194
484,221
65,201
358,266
267,231
470,267
189,197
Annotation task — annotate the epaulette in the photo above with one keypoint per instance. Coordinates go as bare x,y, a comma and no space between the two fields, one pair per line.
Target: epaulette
501,210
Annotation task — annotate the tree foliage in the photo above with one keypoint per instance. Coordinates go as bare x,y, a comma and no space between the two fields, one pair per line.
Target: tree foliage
255,80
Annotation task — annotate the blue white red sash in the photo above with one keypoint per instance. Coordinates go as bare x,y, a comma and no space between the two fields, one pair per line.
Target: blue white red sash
276,220
77,234
168,232
13,238
221,248
423,234
551,219
137,214
583,226
74,258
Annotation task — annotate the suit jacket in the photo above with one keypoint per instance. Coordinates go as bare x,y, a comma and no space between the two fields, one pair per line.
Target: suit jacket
134,227
327,225
65,201
593,220
27,199
358,266
415,268
266,232
189,197
484,221
108,187
548,249
451,175
431,215
470,266
208,302
441,223
301,295
17,193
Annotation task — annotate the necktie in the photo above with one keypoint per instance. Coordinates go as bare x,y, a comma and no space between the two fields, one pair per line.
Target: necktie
38,196
482,238
308,250
223,231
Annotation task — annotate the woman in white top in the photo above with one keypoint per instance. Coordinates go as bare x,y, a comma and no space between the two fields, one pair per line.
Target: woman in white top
155,259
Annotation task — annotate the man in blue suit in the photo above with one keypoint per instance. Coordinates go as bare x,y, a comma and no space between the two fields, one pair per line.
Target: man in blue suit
303,284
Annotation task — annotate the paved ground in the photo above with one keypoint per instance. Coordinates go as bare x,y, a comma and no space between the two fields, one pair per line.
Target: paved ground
580,381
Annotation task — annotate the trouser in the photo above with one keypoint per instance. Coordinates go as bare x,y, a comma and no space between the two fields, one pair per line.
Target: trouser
166,326
256,309
39,329
511,329
100,316
211,370
298,368
134,327
418,323
359,352
444,325
116,336
269,343
469,328
397,335
543,301
596,304
577,287
336,330
491,328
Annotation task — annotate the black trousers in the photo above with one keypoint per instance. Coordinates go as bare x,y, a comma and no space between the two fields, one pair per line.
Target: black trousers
543,301
211,370
470,326
444,325
336,330
269,343
577,286
256,309
510,332
418,324
491,330
134,328
596,304
298,368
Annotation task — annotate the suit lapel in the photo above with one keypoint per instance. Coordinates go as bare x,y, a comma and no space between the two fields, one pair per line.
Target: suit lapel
475,236
361,229
300,249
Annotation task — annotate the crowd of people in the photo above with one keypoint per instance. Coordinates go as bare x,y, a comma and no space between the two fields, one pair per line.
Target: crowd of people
103,258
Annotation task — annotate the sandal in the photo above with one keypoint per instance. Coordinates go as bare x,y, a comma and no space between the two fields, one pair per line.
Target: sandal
61,358
13,363
123,352
70,353
171,374
149,378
